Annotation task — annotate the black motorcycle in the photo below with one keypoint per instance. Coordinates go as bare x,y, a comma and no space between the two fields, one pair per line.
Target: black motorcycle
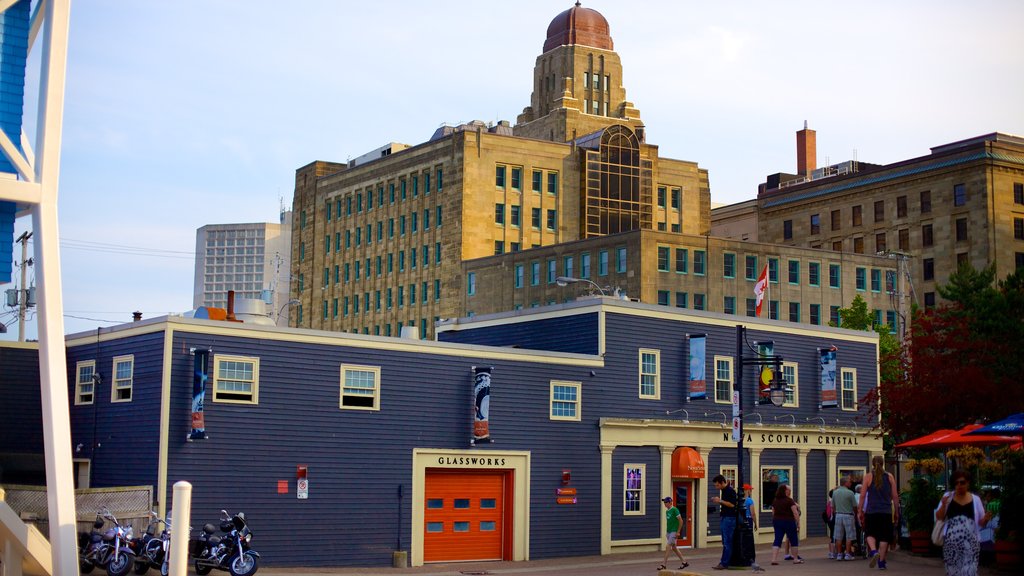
108,549
229,552
151,549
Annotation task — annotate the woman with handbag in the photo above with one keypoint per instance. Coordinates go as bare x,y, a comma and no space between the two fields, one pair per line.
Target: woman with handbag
963,516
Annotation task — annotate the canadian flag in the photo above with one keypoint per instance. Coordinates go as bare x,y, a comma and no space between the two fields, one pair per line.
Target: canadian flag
760,288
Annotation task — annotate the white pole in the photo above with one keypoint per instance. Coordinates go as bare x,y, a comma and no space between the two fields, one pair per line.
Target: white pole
182,511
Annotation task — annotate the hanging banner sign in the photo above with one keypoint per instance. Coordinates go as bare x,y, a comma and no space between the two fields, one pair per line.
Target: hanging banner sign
827,362
698,361
481,405
764,382
199,377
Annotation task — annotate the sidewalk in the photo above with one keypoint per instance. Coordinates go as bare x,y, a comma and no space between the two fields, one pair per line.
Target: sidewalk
814,551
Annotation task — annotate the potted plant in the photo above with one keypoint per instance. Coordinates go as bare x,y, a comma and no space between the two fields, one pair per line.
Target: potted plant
1010,533
919,503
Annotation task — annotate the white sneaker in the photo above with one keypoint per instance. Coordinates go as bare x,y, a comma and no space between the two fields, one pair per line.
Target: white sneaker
848,557
831,556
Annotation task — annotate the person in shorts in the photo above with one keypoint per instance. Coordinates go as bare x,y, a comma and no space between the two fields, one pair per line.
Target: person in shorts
844,502
673,531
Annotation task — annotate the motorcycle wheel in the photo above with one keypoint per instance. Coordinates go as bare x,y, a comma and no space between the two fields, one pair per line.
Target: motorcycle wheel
243,565
141,566
120,564
85,566
202,570
163,569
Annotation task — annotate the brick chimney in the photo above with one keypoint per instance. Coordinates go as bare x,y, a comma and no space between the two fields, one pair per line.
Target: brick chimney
806,151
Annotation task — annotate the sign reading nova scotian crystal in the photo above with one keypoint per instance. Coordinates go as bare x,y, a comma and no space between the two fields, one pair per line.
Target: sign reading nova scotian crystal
828,377
481,404
698,361
199,377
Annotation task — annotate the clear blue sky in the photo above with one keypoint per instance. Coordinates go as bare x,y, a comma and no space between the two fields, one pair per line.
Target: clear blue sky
186,113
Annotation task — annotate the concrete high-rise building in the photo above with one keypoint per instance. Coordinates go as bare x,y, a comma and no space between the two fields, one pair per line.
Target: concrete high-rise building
253,259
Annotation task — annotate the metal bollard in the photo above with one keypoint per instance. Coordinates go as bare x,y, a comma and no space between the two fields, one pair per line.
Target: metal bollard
182,511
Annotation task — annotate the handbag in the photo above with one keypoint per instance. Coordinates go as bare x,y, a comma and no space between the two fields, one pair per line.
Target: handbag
937,532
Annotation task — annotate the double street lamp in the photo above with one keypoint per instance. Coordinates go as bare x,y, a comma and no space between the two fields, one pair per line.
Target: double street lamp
776,393
566,280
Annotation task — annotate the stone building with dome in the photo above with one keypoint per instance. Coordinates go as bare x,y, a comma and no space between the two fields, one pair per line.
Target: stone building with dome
484,218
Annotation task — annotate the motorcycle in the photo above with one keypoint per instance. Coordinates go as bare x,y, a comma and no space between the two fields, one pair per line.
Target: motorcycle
230,552
108,549
151,550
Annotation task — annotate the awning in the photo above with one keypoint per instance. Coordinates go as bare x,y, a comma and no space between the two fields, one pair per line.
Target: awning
687,463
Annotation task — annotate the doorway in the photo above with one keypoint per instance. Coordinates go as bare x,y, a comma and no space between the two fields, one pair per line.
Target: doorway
682,493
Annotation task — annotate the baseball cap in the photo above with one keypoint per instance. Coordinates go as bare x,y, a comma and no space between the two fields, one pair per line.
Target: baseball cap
666,499
748,487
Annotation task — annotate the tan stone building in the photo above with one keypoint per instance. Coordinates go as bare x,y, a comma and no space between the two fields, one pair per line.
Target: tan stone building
378,243
963,203
686,271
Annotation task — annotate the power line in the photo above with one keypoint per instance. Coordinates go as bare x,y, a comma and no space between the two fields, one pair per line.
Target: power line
91,246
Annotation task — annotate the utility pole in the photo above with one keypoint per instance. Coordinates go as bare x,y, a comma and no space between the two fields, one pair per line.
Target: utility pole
23,297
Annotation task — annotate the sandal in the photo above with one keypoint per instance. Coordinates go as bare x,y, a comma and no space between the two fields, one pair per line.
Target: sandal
798,561
684,565
660,568
775,563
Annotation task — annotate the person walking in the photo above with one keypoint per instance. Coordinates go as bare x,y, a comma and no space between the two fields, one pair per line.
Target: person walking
748,507
965,516
828,516
673,531
785,519
879,503
728,502
845,503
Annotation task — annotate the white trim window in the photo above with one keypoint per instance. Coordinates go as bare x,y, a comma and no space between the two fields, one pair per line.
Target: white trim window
565,400
650,374
360,387
729,473
791,374
723,379
634,489
121,383
236,379
848,397
85,386
771,477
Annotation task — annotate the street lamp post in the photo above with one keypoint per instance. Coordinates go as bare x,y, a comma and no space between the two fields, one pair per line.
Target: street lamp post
291,302
566,280
777,394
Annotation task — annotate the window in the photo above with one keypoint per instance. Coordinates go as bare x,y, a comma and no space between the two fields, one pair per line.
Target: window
729,265
904,239
499,247
535,273
773,270
729,305
552,271
833,316
815,224
620,259
836,223
814,273
816,314
723,379
552,183
535,218
662,194
663,258
121,387
585,265
862,280
682,300
516,219
675,198
857,215
751,307
360,387
794,311
471,283
1018,193
858,245
567,266
650,369
794,271
537,182
787,230
961,229
790,373
499,214
848,401
565,400
698,301
552,219
837,246
926,235
880,242
928,268
1018,259
698,262
519,276
499,176
876,280
959,195
236,379
1018,228
85,386
773,309
602,263
633,499
750,268
662,297
682,260
771,478
834,275
879,211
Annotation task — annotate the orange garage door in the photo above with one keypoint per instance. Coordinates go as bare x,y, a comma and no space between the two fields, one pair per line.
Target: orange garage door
464,516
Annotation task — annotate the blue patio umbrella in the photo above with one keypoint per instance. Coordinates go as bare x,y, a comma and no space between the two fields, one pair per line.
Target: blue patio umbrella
1009,426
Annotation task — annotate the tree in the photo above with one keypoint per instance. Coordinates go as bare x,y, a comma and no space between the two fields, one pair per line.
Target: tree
963,361
857,317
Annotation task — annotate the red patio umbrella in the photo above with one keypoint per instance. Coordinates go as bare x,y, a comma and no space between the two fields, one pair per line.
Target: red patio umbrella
926,440
947,438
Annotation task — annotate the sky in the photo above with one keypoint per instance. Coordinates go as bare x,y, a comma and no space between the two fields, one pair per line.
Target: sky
184,113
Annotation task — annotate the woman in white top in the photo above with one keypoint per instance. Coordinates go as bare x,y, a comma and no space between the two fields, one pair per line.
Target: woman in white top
965,516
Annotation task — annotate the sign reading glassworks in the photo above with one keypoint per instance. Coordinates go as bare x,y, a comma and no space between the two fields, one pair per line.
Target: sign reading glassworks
777,439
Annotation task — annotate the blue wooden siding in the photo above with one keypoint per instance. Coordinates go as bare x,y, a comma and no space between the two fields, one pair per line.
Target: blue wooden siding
121,439
647,525
575,334
357,459
21,418
817,491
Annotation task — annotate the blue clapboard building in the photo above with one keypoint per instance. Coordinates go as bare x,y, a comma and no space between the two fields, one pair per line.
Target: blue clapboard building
343,448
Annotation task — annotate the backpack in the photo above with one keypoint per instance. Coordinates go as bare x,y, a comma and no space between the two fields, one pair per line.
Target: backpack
828,513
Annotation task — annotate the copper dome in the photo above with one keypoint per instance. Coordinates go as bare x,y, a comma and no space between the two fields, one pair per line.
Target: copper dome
579,25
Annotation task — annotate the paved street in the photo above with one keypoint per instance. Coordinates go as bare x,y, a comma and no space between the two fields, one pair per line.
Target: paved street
814,553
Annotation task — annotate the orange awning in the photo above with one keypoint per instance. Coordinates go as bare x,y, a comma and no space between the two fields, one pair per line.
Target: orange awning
687,463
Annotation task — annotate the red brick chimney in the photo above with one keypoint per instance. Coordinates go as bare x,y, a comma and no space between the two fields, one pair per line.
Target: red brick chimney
806,151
